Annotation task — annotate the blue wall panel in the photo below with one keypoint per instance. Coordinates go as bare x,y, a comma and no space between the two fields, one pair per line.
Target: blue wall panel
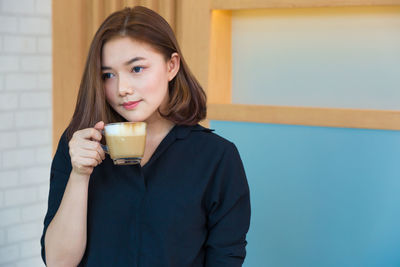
320,196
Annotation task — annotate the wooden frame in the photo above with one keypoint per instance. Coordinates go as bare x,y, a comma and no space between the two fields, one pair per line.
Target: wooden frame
212,27
253,4
327,117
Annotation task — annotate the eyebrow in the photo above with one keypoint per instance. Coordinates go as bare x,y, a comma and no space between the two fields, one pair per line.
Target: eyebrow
126,63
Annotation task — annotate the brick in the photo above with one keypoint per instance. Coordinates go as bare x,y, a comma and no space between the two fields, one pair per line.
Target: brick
1,199
34,118
9,264
20,196
35,175
44,155
44,45
18,7
43,191
24,231
35,100
7,140
18,158
36,63
34,137
10,216
34,212
29,249
21,81
35,26
8,179
2,237
7,120
43,7
34,262
8,101
9,253
19,44
9,63
1,76
8,24
45,81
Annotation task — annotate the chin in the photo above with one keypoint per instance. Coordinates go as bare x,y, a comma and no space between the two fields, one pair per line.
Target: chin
137,117
140,115
134,118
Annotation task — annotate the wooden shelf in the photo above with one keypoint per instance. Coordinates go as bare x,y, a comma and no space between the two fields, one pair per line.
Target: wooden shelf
309,116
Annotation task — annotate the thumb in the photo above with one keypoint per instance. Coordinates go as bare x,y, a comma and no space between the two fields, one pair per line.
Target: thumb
99,125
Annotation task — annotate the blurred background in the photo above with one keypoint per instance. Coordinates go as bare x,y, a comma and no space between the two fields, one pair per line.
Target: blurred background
309,91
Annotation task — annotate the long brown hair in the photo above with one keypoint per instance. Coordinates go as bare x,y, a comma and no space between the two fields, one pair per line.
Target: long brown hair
187,100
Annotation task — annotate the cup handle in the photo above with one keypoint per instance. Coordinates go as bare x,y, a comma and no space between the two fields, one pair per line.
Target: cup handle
104,147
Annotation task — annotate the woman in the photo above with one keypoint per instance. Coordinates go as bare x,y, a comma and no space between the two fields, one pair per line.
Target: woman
187,202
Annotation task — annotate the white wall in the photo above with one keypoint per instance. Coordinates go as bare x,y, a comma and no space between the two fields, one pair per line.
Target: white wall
321,57
25,128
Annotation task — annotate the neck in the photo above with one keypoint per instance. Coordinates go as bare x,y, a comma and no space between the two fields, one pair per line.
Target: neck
158,126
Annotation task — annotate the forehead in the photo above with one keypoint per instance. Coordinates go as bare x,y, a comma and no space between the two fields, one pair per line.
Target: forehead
121,49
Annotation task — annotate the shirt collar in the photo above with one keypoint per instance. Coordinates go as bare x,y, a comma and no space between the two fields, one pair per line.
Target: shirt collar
182,131
176,133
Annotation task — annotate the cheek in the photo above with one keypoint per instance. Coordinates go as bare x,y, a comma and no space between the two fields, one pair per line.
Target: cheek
110,94
158,86
109,89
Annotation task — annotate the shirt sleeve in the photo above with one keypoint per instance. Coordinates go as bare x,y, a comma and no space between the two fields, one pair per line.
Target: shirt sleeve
228,207
59,175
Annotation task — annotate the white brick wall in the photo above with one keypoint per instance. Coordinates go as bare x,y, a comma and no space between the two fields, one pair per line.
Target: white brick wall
19,44
9,63
8,24
2,237
21,81
1,76
8,101
25,128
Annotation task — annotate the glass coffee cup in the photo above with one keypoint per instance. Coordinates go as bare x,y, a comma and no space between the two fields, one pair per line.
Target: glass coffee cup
125,142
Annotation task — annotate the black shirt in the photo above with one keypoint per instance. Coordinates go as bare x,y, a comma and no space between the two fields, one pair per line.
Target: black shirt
188,206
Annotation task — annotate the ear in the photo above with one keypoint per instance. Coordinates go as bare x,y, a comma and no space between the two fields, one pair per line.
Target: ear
173,65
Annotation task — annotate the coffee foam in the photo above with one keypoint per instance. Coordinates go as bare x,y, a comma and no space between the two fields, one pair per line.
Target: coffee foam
126,129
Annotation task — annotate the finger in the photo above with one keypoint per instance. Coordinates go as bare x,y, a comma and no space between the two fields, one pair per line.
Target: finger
90,145
95,145
91,154
90,133
101,152
88,162
99,125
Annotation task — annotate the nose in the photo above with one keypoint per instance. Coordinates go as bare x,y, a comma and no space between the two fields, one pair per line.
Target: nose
124,87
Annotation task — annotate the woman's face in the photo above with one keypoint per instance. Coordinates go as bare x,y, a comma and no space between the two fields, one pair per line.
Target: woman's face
136,77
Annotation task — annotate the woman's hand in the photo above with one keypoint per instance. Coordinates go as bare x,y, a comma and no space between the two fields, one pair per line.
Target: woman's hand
85,149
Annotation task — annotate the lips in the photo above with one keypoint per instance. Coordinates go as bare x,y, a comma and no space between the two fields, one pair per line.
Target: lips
131,104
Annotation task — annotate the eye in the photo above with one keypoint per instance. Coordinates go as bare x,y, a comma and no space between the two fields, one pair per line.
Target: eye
137,69
107,75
